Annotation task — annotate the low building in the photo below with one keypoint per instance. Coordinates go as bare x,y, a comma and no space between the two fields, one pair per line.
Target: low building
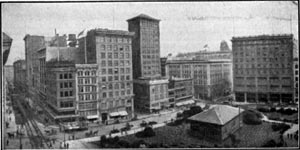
181,91
20,75
87,99
151,94
217,123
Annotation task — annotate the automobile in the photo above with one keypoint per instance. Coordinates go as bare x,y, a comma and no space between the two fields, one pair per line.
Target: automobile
144,124
152,123
114,131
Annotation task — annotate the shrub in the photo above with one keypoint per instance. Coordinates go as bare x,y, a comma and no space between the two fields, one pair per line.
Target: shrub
263,109
272,109
270,143
280,127
252,118
137,144
147,132
124,144
144,124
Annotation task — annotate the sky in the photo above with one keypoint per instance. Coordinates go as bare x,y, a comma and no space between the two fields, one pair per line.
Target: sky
184,26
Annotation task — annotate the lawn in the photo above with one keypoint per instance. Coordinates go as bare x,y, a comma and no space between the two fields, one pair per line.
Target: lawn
178,137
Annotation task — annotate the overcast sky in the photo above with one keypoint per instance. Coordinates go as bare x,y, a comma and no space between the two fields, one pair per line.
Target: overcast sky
184,26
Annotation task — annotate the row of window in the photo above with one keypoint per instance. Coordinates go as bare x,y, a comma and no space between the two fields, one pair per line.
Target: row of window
269,65
264,86
263,78
114,55
67,93
87,113
65,76
86,73
87,97
262,71
66,85
115,94
116,78
108,39
115,63
255,42
114,48
261,59
66,104
87,80
111,86
87,105
87,89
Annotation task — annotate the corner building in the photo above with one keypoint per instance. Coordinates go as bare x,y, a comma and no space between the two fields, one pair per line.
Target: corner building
111,51
263,68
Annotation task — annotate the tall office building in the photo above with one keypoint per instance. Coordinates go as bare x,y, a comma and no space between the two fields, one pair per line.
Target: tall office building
111,51
145,46
263,68
146,65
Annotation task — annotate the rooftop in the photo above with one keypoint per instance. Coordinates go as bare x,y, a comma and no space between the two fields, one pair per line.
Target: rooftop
259,37
218,114
6,38
143,16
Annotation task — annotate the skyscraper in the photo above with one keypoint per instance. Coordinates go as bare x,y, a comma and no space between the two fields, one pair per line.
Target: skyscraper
145,46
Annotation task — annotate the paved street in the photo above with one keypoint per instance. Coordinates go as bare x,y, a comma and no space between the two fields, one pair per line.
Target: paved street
105,130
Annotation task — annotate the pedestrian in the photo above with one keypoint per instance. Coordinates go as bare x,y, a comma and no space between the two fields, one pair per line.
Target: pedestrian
7,142
67,145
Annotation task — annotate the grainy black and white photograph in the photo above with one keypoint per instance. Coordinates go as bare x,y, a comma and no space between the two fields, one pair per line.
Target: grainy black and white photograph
123,75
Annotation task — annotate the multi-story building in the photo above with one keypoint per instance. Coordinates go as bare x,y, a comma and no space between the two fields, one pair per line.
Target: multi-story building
211,78
145,46
181,91
9,73
20,75
296,79
146,64
163,62
263,68
152,94
87,101
60,93
111,51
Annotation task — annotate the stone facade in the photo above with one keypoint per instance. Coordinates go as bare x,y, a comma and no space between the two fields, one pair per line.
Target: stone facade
151,94
111,51
145,46
60,93
180,90
211,79
87,101
263,68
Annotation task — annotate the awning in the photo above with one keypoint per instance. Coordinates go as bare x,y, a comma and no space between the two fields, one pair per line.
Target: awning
113,114
92,117
185,103
118,113
123,113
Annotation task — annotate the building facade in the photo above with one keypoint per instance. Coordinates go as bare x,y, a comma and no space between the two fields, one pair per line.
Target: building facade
205,55
296,79
145,46
9,73
111,50
151,94
181,91
263,68
87,101
163,62
211,78
20,75
60,93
